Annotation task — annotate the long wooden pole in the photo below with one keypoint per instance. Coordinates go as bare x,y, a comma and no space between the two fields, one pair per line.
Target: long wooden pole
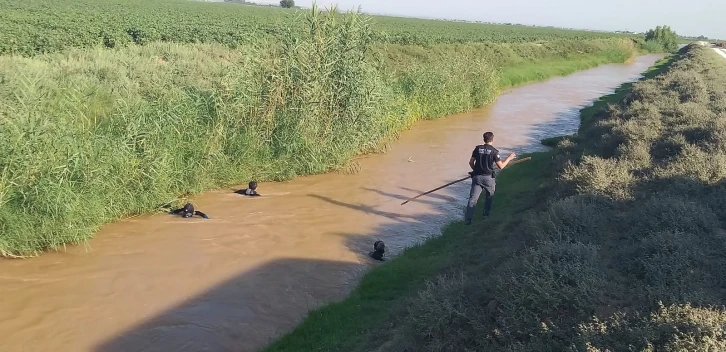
459,180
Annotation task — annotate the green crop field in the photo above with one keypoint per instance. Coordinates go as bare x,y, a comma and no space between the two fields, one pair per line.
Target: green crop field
31,27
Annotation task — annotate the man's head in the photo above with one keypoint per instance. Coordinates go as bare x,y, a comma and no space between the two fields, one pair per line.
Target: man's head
379,247
188,210
253,185
488,137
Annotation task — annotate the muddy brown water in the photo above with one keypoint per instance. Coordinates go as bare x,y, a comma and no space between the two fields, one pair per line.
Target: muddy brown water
251,272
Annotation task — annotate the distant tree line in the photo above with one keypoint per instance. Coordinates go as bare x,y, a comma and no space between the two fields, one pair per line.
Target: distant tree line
287,3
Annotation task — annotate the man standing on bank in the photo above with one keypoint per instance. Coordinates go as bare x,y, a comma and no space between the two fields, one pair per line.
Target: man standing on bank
483,175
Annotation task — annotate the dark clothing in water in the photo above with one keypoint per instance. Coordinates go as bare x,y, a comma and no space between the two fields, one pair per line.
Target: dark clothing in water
248,192
187,215
379,248
483,178
376,255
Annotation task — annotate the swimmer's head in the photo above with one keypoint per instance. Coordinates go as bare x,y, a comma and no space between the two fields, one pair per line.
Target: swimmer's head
379,246
253,185
188,211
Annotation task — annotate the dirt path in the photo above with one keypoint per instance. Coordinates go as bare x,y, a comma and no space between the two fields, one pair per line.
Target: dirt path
720,51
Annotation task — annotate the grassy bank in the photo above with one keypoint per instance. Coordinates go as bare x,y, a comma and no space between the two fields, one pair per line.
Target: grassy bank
95,135
613,241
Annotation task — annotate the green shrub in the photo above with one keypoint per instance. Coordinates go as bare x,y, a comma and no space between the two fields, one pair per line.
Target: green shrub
670,328
663,36
548,285
598,176
448,313
653,46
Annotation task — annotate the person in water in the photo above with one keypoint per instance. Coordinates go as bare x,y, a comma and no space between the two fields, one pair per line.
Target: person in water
379,248
251,190
482,162
188,211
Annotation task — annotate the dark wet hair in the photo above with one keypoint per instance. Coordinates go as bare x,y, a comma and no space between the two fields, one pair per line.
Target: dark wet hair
253,185
188,210
488,137
379,246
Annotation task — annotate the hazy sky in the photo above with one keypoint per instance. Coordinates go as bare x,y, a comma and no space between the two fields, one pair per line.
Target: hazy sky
687,17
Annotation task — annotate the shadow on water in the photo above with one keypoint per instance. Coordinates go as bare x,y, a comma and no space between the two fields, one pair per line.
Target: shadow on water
401,197
432,195
562,125
368,209
215,320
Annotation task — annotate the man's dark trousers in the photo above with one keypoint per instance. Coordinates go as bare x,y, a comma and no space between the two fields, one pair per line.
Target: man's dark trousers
480,183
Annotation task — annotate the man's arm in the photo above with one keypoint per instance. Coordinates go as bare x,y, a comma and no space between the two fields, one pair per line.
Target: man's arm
503,164
472,161
201,214
177,211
